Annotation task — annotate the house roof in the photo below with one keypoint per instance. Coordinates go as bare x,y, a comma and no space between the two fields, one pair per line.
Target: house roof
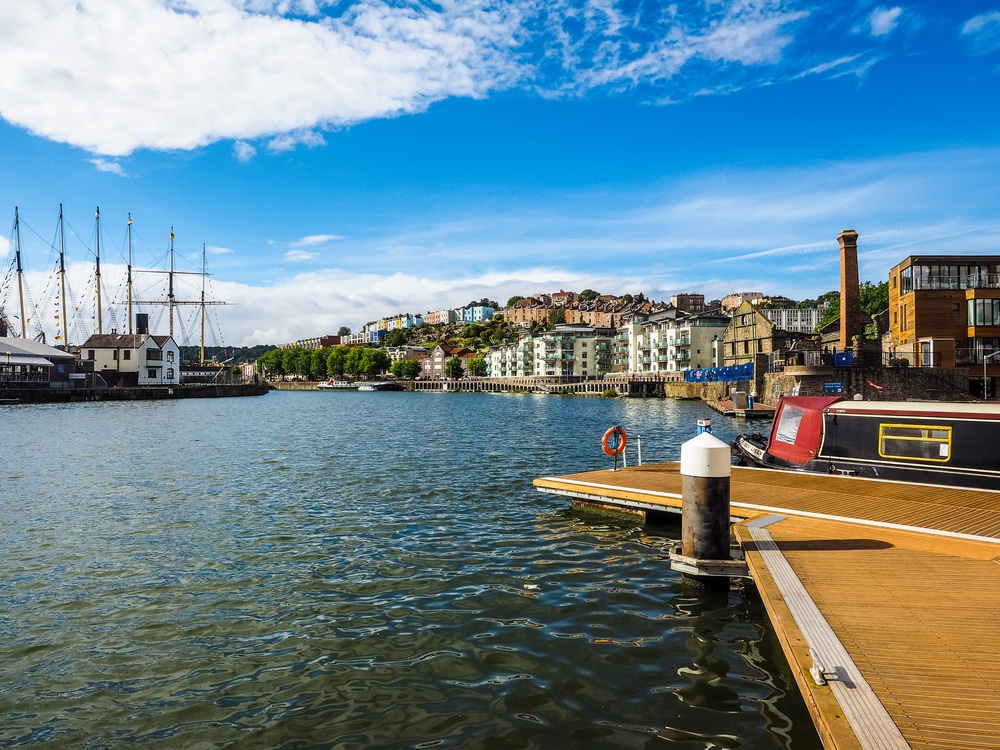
29,347
122,341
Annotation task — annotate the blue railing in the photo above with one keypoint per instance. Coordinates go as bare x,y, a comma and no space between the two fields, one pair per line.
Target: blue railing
730,374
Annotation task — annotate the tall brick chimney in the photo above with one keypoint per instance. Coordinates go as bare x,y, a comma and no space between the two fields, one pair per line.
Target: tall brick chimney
851,324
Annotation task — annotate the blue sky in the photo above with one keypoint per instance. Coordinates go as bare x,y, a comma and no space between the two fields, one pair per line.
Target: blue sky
346,160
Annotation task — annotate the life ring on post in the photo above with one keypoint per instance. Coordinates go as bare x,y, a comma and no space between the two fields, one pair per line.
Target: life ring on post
614,440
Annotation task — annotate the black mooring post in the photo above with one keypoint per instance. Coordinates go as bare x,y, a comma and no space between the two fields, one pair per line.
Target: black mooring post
705,483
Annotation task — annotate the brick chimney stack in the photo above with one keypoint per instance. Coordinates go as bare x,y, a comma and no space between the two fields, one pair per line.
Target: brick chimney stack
851,324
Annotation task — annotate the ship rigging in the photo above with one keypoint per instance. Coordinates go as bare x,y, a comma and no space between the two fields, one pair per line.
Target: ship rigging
59,315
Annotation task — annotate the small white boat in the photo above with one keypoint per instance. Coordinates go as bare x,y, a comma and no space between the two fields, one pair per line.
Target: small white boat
378,385
337,385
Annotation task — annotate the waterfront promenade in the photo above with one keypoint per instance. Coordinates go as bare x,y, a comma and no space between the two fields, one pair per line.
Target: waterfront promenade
887,590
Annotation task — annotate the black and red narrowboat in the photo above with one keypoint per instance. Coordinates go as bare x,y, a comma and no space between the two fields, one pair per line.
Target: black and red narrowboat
953,444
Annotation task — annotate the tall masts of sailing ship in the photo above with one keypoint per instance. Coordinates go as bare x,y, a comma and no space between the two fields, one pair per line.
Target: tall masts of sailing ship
28,313
171,301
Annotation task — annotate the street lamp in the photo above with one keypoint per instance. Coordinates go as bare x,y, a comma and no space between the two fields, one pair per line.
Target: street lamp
985,358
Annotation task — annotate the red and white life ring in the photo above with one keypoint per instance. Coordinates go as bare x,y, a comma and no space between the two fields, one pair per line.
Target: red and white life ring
614,440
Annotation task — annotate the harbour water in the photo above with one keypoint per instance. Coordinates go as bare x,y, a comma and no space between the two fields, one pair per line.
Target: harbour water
356,570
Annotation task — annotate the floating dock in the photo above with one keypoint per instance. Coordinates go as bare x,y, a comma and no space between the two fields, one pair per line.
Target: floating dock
884,595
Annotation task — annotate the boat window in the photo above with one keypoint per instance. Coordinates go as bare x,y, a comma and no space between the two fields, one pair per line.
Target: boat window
788,424
915,441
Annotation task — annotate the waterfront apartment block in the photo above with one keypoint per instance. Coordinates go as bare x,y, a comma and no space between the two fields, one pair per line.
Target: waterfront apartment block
568,350
945,312
794,319
515,360
671,340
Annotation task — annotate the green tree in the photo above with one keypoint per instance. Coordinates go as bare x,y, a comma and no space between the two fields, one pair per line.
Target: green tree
406,368
270,364
344,331
352,360
588,295
397,337
380,361
366,361
296,361
514,300
453,368
317,362
556,316
478,367
874,297
335,362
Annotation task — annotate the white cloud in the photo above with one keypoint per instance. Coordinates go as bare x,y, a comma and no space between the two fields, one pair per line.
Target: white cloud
333,298
288,141
114,77
883,20
105,165
243,151
160,74
300,256
317,239
984,31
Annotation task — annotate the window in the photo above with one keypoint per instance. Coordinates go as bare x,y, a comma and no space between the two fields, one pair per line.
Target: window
127,354
114,355
984,312
90,354
788,424
151,374
170,373
170,356
914,441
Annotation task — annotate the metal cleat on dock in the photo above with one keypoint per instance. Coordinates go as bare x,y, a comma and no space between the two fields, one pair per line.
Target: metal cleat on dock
817,670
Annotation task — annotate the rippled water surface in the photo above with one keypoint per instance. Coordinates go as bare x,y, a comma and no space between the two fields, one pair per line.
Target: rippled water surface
350,570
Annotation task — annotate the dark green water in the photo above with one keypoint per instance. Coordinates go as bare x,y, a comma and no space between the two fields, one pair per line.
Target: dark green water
352,570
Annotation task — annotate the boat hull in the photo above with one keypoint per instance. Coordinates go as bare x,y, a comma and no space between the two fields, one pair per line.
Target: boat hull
940,444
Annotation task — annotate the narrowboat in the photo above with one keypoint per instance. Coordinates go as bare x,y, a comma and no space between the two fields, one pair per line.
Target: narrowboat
953,444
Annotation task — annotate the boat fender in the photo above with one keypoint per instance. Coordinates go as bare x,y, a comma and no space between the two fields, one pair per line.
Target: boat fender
614,440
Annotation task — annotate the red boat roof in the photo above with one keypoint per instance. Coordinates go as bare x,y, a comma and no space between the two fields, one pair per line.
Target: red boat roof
798,427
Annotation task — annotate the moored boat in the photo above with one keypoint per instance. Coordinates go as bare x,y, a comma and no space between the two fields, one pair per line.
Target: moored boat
379,385
945,443
337,385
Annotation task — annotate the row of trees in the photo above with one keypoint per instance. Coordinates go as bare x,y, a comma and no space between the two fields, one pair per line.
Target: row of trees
354,361
331,362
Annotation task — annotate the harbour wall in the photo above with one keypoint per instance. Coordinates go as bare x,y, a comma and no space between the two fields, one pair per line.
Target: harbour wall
151,393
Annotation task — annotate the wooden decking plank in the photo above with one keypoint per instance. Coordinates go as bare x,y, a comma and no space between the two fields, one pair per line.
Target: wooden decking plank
871,722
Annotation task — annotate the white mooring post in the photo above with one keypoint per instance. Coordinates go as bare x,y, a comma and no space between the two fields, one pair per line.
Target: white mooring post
705,477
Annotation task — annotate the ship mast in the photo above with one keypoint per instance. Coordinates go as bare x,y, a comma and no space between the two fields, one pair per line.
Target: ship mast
20,274
129,277
203,273
172,301
97,273
170,284
62,279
